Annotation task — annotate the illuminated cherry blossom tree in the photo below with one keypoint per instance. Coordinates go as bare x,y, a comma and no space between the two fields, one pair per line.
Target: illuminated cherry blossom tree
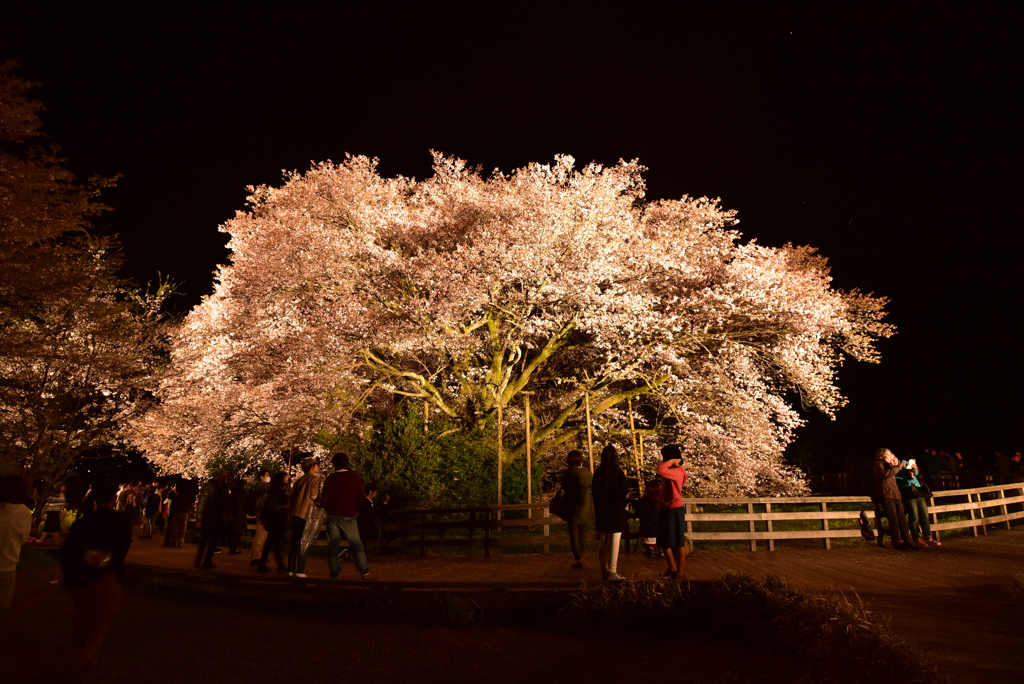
346,290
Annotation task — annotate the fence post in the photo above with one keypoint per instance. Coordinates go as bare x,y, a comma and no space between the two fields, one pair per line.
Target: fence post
472,527
487,534
935,518
753,542
824,525
423,535
1002,495
771,540
970,500
981,514
547,530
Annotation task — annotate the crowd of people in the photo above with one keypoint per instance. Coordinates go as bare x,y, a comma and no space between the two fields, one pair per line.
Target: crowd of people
938,463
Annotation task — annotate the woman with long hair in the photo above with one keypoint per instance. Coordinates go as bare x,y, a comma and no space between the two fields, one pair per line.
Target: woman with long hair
274,517
610,490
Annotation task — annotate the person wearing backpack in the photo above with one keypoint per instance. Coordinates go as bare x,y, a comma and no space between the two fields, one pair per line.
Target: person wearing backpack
92,557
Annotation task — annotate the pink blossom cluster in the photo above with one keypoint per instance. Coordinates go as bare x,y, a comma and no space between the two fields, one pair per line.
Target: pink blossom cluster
346,290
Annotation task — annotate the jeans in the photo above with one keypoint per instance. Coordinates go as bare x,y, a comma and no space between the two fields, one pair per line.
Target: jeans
296,560
338,527
917,510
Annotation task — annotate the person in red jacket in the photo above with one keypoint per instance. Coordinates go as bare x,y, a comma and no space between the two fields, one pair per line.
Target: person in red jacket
342,497
672,512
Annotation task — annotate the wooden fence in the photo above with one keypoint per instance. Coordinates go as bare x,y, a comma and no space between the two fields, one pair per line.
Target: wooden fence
750,520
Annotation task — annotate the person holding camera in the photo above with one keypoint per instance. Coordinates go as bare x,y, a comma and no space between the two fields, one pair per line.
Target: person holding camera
886,495
915,501
672,511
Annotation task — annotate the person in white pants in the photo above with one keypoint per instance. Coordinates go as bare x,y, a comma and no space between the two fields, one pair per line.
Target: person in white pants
610,490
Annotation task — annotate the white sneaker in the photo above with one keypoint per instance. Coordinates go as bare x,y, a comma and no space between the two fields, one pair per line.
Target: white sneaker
615,577
300,574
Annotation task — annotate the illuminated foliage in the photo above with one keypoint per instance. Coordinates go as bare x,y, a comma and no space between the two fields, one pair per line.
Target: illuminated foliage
347,290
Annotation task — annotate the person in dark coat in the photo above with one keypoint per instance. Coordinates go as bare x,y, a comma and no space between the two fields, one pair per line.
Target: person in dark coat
886,495
274,517
91,559
610,490
579,503
239,521
214,514
373,515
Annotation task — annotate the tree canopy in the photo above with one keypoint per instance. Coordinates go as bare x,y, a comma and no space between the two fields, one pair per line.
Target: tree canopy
346,290
79,345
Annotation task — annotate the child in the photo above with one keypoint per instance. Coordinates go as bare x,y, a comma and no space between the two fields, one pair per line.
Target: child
647,512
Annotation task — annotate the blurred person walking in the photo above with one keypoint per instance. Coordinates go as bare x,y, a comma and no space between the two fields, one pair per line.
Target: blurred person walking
304,494
254,507
239,516
274,516
577,482
91,559
342,498
610,490
150,511
15,529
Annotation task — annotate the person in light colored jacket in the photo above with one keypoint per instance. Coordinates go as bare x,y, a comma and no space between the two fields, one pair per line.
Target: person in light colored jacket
15,528
303,498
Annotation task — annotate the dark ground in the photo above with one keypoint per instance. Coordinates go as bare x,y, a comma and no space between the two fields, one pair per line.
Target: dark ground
957,604
166,638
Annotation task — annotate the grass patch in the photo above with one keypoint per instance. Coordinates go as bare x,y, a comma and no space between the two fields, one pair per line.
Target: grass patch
834,636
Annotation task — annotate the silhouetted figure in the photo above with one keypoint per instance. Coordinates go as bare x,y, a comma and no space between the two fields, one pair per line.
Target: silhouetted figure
275,519
579,503
610,490
373,515
214,512
15,529
92,556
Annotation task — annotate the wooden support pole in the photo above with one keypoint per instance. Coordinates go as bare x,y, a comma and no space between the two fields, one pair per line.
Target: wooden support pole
500,438
590,435
1002,495
529,456
426,415
753,542
771,541
636,452
824,525
547,529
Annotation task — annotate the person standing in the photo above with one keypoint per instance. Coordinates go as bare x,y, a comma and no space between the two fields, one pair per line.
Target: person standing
15,528
254,506
304,495
214,512
274,516
91,559
372,518
915,501
342,498
610,490
672,511
52,512
886,495
239,518
577,482
150,513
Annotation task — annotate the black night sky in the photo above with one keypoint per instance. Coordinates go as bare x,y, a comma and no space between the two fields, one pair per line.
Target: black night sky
889,137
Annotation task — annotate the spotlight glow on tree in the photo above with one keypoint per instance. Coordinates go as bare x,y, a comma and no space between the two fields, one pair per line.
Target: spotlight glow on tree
346,289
